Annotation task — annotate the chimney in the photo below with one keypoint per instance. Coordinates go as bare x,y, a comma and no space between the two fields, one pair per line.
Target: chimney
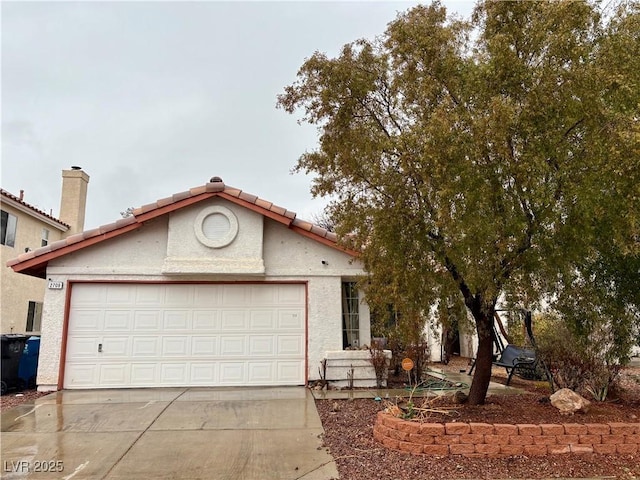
73,200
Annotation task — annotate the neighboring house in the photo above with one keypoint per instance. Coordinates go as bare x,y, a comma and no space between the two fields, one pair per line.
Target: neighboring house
26,228
209,287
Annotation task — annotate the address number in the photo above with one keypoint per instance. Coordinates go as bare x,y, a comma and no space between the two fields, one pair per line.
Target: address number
55,285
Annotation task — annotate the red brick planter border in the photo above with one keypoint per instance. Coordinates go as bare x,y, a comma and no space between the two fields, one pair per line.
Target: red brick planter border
495,440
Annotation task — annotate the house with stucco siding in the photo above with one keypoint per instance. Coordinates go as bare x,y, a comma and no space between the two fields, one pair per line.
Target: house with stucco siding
212,286
26,228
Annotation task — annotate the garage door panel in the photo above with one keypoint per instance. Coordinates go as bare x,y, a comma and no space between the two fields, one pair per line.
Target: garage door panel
288,373
114,374
234,320
147,320
120,295
262,345
80,346
148,294
185,335
290,345
115,346
145,346
233,345
232,373
291,294
144,374
173,373
233,296
204,346
176,346
260,372
205,296
89,296
117,320
263,296
204,320
178,295
82,375
262,320
86,321
176,320
293,319
204,373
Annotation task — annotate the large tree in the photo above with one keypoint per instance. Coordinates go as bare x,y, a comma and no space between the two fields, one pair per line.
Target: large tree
485,157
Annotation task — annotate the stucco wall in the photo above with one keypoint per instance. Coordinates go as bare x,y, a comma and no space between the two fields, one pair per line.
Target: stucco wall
51,340
289,255
186,254
18,290
137,254
141,256
468,341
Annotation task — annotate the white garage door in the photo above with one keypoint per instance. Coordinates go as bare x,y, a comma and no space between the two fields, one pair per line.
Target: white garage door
149,335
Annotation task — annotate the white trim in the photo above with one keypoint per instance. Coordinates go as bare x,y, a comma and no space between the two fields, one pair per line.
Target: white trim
134,335
222,241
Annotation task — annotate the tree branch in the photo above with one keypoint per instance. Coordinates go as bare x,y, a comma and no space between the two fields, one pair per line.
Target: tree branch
573,127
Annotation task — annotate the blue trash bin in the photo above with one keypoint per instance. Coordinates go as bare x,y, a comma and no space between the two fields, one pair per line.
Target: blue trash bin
28,368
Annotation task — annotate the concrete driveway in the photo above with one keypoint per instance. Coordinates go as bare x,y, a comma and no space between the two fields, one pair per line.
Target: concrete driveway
168,433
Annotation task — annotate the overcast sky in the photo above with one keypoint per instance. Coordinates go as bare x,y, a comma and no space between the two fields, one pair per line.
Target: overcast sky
153,98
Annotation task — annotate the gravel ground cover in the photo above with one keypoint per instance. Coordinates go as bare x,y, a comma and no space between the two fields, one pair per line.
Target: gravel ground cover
348,428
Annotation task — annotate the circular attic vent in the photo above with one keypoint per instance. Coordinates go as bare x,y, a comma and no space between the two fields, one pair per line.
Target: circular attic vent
216,227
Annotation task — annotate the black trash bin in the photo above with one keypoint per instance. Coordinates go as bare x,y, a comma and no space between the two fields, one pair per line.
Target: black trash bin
12,347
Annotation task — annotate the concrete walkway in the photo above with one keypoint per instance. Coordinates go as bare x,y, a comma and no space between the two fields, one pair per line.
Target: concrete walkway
181,433
460,381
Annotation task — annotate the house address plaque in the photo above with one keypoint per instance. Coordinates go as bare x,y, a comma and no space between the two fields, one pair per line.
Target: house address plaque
56,285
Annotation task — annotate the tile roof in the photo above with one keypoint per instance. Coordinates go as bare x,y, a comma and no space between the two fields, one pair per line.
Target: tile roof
35,210
35,262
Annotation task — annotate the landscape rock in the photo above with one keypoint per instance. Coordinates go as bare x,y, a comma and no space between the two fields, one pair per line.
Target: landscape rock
569,402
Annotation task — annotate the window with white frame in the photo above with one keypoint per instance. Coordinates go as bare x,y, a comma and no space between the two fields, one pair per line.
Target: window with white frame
9,224
350,315
34,317
45,238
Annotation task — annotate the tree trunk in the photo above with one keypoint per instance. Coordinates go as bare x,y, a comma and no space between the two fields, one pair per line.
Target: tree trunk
484,356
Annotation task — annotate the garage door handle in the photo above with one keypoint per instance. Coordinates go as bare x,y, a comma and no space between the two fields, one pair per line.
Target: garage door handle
99,348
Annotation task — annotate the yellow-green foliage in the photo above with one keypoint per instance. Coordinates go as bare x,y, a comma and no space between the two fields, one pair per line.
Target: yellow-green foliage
484,156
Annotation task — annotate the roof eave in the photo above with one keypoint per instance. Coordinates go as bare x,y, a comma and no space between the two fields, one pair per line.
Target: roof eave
325,241
285,218
35,213
35,262
37,266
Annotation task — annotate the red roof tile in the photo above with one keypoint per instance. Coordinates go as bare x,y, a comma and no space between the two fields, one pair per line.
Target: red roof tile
58,244
163,202
278,210
303,224
78,237
215,187
11,196
35,262
263,204
247,197
125,221
181,196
